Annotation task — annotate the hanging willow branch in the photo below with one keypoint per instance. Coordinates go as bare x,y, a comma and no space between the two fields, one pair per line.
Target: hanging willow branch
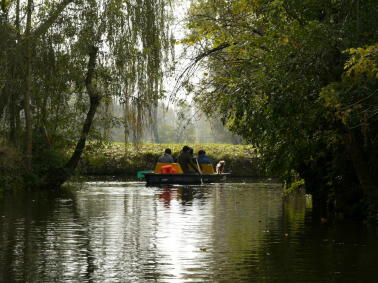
130,38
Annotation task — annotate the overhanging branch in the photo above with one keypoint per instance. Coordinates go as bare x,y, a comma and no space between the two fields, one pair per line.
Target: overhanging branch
43,27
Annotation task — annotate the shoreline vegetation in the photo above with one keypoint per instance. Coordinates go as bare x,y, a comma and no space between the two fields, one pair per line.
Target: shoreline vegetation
113,159
118,159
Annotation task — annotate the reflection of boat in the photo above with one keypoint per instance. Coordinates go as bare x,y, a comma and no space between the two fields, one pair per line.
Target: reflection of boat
171,173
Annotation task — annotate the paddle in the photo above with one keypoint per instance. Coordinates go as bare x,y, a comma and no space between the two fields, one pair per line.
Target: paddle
199,170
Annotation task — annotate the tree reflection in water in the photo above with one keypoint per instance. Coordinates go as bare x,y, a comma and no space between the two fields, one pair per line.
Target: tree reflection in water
125,232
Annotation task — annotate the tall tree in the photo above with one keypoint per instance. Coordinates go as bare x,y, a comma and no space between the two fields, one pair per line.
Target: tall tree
270,67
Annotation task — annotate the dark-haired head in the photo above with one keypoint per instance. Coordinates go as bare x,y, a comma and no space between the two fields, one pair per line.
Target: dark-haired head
185,148
168,150
201,152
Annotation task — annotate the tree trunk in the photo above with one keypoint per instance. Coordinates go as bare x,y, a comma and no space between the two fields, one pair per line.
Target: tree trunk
315,184
57,177
13,109
27,92
12,121
126,128
360,164
154,124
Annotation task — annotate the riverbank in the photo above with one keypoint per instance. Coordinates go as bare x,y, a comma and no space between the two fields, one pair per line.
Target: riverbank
119,160
126,160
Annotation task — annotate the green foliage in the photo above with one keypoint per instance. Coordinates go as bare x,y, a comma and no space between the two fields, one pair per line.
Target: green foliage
363,64
48,61
114,158
353,99
10,169
295,187
46,160
280,75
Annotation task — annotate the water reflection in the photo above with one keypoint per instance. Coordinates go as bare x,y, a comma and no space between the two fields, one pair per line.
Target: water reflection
125,232
184,194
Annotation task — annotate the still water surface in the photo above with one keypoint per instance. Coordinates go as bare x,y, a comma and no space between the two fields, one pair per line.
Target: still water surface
126,232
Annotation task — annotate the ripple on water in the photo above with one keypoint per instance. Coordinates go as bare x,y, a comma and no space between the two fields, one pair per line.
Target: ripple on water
126,232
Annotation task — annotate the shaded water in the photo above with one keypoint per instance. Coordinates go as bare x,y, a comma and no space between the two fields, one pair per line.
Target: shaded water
126,232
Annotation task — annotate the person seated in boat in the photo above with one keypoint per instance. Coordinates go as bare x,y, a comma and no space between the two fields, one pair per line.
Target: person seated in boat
194,158
202,158
220,167
166,157
191,151
185,159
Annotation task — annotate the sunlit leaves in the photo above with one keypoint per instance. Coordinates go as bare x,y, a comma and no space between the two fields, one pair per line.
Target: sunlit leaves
354,99
281,55
363,64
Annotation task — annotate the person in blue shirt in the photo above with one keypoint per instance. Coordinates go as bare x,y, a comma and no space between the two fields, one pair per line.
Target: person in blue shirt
202,158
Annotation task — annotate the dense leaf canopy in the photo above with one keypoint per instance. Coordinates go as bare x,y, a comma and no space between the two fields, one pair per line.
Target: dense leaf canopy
297,79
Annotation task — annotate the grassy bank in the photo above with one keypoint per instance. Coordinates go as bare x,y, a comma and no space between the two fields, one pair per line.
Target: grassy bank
118,159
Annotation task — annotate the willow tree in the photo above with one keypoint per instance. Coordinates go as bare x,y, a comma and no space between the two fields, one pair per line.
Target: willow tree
276,76
67,58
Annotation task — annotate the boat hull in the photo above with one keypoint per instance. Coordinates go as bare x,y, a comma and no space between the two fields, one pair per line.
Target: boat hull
184,179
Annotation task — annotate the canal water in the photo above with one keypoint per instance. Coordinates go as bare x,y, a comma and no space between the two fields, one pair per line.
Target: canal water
126,232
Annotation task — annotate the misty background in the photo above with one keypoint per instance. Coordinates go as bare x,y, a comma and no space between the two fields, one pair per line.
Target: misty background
172,123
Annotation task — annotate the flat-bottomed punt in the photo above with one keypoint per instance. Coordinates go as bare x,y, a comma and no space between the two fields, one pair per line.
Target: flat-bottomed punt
171,173
184,179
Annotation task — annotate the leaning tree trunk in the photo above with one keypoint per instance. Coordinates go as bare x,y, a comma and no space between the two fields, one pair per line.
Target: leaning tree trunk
57,177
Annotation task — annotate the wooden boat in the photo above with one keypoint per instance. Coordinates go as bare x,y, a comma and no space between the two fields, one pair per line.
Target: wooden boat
175,175
184,179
